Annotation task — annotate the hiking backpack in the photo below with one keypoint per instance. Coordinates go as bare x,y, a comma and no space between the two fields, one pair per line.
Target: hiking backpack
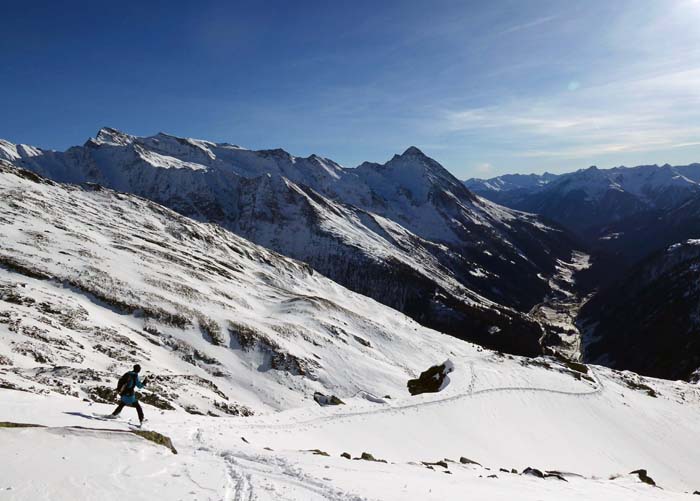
125,383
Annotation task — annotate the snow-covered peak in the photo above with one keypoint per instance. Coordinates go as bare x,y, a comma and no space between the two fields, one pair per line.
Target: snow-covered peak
648,178
185,149
651,184
413,157
645,181
12,152
164,161
108,135
163,149
276,153
592,181
333,169
508,182
411,175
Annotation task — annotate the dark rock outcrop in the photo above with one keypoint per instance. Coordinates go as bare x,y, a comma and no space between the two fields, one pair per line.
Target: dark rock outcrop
431,380
323,400
643,476
533,471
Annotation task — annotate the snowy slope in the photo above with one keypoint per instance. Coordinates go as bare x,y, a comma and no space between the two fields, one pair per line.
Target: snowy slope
496,411
406,233
98,279
92,281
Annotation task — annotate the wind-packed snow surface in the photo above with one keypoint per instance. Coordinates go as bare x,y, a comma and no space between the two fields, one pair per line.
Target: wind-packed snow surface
235,340
406,232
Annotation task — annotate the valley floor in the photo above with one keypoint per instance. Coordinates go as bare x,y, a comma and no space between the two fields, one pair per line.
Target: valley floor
501,411
560,309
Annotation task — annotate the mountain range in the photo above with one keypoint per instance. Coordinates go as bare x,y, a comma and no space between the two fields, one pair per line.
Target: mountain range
410,235
627,212
406,233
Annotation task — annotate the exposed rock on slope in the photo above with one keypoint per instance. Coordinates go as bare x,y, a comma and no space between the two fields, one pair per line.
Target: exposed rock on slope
431,380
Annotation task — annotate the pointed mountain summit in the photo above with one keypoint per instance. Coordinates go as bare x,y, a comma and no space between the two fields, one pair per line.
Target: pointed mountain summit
413,151
109,135
412,175
414,156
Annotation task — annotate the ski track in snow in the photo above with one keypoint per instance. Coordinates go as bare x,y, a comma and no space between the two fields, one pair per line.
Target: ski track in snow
240,488
243,468
249,473
398,409
246,470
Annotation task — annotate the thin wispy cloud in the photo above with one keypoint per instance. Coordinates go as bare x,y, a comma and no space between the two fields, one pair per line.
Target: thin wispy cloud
530,24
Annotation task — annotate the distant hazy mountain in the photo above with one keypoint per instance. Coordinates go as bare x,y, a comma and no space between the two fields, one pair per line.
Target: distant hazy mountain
508,186
406,232
609,208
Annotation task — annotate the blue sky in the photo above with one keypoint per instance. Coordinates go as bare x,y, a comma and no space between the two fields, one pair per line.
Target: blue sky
483,87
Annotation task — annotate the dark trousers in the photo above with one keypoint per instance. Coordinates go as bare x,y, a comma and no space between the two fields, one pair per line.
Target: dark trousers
136,404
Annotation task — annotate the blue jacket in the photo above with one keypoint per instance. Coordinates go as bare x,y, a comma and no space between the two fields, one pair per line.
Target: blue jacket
130,398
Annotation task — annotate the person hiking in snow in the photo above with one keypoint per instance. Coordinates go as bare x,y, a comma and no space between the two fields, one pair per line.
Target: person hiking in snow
126,388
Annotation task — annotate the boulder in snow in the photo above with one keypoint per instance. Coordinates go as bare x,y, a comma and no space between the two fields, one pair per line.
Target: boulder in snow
322,399
464,460
366,456
432,380
644,477
436,463
534,472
